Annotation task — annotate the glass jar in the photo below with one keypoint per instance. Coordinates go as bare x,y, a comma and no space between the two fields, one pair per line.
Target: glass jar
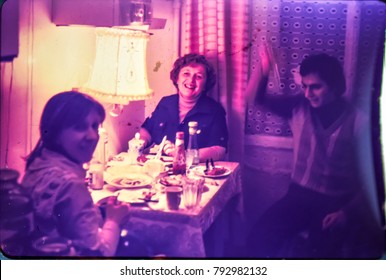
96,178
16,214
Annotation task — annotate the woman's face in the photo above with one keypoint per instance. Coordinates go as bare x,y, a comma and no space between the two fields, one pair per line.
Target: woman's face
79,141
191,81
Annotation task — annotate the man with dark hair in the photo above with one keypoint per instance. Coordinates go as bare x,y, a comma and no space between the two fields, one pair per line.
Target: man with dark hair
327,195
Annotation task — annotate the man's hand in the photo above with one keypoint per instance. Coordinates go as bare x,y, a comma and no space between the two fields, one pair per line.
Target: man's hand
334,219
259,77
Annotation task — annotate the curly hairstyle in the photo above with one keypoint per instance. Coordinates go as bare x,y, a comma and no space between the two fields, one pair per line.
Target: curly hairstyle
328,68
63,110
190,59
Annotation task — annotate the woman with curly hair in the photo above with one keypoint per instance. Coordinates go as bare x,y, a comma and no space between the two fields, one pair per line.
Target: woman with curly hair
193,76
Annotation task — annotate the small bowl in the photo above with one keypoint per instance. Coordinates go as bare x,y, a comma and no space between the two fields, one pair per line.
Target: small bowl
51,246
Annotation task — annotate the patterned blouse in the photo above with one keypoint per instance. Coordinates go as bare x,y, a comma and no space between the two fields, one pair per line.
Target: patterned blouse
62,203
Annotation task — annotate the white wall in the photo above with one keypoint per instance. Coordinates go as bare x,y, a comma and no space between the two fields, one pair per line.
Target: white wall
57,58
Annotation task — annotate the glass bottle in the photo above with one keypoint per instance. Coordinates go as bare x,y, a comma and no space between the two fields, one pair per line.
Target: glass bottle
96,174
192,154
136,146
179,160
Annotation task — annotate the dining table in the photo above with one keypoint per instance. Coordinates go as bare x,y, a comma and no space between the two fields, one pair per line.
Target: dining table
212,229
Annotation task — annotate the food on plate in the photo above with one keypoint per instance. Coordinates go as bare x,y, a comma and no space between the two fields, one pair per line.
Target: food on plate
217,170
127,181
142,158
136,197
148,196
174,180
119,157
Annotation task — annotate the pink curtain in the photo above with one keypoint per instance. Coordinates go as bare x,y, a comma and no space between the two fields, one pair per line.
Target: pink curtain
218,29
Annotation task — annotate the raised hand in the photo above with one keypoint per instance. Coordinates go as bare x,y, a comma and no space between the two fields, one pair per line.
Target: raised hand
335,219
259,76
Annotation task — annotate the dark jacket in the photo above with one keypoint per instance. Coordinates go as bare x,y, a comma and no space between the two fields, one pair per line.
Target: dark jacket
209,114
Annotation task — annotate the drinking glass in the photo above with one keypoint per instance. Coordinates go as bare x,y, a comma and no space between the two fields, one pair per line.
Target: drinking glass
192,191
154,167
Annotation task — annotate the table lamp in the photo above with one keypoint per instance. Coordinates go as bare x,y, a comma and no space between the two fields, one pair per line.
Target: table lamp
119,74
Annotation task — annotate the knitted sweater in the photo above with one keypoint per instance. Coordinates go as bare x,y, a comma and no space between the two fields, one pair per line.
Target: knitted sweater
325,159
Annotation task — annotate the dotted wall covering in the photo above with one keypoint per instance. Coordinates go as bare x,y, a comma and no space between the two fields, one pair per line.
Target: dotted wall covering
295,29
372,30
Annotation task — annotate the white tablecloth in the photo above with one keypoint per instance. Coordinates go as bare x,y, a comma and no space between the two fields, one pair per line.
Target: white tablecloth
203,232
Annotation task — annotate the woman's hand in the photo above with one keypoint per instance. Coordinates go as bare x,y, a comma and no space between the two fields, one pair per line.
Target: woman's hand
169,148
334,219
116,211
145,136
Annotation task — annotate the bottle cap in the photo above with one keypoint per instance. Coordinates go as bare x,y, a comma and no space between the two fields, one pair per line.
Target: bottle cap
180,135
193,124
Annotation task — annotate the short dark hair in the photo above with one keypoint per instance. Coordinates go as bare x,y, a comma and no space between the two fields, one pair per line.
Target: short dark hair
328,68
194,58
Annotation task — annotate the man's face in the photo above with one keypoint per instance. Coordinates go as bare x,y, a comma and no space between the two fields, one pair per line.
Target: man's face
317,91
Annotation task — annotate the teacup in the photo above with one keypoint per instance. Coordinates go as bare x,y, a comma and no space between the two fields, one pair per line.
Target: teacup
173,197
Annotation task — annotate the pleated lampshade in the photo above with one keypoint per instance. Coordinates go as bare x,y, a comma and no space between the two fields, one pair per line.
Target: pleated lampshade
119,73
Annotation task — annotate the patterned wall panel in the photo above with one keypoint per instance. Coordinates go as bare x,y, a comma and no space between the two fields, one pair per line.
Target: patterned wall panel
295,29
372,23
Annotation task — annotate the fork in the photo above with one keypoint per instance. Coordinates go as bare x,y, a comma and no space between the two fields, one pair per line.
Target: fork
161,146
209,167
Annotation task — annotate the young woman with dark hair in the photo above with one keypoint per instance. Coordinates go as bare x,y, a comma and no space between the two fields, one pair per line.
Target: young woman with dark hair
54,177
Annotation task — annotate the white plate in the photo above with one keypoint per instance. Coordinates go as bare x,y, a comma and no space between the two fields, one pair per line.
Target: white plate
114,171
160,205
171,180
130,181
199,170
134,196
121,159
130,196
